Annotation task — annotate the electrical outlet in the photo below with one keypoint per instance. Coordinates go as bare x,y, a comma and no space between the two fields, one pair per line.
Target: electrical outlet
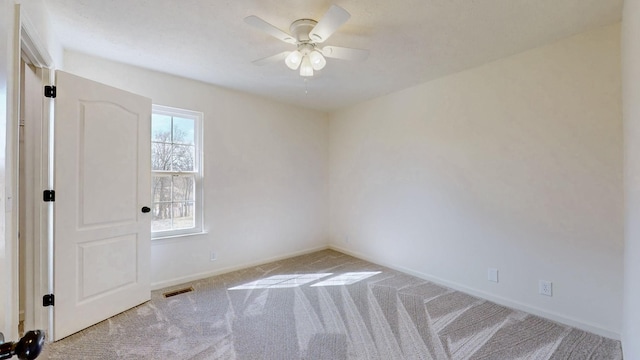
545,288
213,256
492,275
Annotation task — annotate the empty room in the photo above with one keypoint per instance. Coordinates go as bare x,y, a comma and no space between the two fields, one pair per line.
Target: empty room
348,179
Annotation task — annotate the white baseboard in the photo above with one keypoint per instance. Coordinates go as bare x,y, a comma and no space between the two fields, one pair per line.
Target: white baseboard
203,275
488,296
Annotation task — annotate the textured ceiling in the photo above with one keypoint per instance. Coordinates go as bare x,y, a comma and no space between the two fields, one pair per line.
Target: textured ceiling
410,41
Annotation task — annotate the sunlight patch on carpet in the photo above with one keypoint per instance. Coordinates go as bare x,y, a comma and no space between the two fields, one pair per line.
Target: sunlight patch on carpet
347,278
281,281
295,280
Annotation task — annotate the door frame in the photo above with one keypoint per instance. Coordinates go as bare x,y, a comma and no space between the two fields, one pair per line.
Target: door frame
39,250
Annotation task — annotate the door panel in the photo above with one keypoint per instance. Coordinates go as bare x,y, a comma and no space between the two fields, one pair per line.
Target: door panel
107,126
102,274
102,180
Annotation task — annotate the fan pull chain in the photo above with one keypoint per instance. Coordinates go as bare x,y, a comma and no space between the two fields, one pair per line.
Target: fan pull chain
306,86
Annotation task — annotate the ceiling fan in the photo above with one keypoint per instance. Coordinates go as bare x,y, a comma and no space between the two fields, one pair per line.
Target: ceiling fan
306,35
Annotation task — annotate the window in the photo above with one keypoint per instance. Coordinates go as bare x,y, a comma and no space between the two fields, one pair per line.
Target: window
176,150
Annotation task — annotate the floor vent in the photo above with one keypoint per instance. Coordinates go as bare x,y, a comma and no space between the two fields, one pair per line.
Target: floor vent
178,292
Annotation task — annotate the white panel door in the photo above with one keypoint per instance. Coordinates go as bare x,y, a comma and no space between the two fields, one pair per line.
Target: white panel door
102,239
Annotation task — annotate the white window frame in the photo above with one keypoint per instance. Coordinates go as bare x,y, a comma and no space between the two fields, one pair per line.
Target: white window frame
198,118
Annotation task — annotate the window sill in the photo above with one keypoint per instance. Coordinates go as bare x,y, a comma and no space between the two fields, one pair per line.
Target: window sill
177,236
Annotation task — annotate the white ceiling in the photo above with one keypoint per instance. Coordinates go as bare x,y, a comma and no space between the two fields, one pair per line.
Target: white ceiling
410,41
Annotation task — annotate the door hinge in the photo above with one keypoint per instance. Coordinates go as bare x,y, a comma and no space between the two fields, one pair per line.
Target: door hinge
49,196
50,91
48,300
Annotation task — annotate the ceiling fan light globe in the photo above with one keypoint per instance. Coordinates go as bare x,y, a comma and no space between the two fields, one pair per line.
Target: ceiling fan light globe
306,69
317,60
293,60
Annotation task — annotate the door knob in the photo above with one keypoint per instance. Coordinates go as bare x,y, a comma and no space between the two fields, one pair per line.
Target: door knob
29,347
145,209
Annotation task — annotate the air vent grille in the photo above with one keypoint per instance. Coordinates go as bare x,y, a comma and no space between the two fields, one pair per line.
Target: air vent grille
178,292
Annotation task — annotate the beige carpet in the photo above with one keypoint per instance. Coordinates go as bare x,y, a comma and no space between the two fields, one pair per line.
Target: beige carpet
327,305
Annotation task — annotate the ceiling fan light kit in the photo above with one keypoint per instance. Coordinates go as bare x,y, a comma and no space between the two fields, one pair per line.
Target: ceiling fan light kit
317,60
293,60
306,34
306,69
308,60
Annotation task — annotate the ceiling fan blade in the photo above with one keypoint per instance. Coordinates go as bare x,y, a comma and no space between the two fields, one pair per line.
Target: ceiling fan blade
330,22
271,59
343,53
269,29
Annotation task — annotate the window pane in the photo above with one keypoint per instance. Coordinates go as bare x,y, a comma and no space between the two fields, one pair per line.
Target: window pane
160,156
183,215
161,217
161,128
184,188
183,131
161,190
183,158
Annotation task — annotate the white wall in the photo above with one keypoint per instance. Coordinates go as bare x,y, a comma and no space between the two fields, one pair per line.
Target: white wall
265,170
631,110
516,164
